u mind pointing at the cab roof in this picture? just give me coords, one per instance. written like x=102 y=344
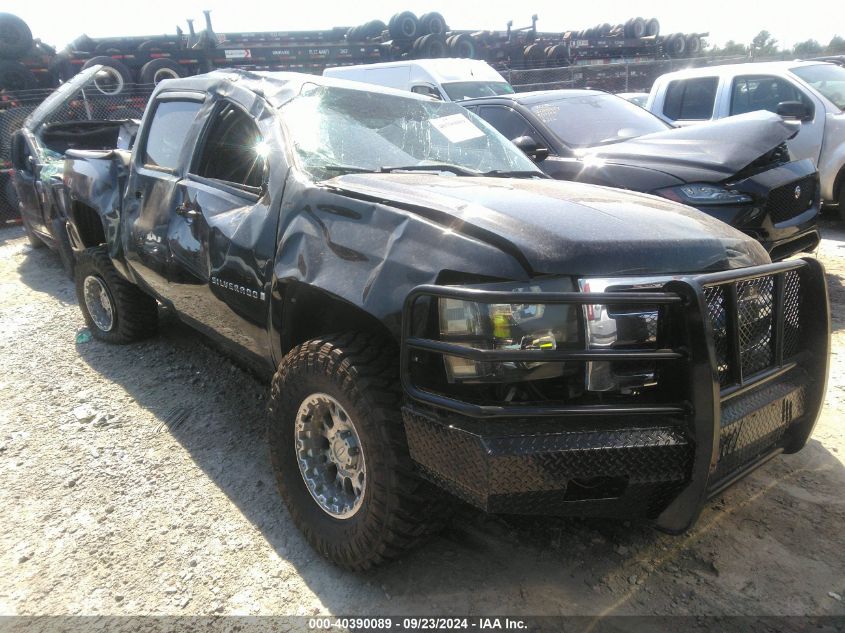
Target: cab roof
x=277 y=87
x=741 y=68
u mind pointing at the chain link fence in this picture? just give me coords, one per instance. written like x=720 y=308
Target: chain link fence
x=97 y=104
x=626 y=76
x=128 y=101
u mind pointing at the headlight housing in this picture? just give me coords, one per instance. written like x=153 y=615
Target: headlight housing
x=523 y=326
x=615 y=327
x=698 y=193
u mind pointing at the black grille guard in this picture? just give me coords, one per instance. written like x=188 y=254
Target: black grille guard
x=701 y=405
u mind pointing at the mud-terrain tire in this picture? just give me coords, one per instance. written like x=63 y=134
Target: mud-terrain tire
x=395 y=509
x=128 y=313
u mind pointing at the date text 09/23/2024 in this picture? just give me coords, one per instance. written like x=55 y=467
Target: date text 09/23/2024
x=416 y=623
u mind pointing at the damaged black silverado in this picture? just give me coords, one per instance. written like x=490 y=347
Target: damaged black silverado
x=436 y=310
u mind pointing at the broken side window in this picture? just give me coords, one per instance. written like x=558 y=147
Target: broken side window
x=234 y=151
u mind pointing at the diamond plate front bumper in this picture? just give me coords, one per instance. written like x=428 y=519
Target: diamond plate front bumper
x=657 y=461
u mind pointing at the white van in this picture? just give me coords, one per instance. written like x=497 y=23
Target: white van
x=811 y=94
x=446 y=79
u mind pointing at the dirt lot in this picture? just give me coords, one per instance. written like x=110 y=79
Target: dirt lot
x=135 y=481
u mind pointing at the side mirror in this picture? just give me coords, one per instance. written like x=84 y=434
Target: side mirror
x=793 y=110
x=531 y=149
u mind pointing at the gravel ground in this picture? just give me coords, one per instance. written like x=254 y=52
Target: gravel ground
x=135 y=480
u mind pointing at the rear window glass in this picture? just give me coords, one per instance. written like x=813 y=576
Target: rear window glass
x=168 y=131
x=690 y=99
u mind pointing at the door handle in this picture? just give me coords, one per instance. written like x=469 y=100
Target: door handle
x=139 y=194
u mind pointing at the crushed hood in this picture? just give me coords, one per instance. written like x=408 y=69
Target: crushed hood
x=561 y=227
x=711 y=151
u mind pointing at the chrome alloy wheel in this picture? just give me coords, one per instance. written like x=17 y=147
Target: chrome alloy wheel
x=99 y=303
x=330 y=457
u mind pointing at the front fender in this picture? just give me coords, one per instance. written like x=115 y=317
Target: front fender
x=832 y=158
x=371 y=254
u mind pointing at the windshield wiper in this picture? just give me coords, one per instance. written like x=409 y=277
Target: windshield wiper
x=455 y=169
x=516 y=173
x=352 y=169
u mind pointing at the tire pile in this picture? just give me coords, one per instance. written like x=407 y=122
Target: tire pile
x=425 y=37
x=16 y=43
x=26 y=63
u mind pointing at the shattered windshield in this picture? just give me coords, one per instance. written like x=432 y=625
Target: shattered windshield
x=828 y=79
x=344 y=130
x=596 y=119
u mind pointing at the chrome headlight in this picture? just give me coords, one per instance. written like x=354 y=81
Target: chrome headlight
x=522 y=326
x=703 y=193
x=609 y=327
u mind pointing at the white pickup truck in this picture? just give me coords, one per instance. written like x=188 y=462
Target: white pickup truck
x=812 y=94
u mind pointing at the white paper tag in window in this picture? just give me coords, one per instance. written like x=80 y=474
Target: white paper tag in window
x=456 y=128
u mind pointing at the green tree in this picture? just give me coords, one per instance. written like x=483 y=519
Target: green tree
x=764 y=44
x=730 y=48
x=808 y=48
x=836 y=45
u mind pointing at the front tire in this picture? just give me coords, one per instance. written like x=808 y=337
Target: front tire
x=339 y=452
x=115 y=310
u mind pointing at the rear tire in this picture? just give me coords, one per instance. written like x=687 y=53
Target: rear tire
x=393 y=509
x=115 y=310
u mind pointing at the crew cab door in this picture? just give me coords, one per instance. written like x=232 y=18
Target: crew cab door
x=222 y=234
x=28 y=186
x=765 y=92
x=151 y=191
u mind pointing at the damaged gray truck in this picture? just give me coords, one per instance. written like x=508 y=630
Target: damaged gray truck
x=438 y=315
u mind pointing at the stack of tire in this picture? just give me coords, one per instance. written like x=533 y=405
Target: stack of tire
x=633 y=29
x=551 y=55
x=15 y=44
x=371 y=30
x=117 y=78
x=680 y=45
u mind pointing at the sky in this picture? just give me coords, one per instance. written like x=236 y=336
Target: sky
x=57 y=23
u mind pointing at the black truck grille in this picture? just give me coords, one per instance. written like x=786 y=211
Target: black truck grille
x=788 y=201
x=744 y=317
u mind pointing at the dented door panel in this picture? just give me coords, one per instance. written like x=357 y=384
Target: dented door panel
x=221 y=246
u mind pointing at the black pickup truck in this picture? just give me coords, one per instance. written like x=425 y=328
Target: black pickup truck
x=439 y=315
